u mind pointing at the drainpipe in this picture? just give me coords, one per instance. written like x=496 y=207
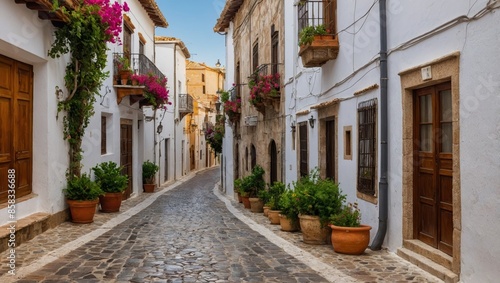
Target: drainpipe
x=383 y=182
x=176 y=108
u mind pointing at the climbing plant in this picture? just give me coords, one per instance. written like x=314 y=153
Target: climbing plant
x=89 y=26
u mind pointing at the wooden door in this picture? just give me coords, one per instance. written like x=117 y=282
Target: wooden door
x=303 y=150
x=330 y=149
x=433 y=167
x=16 y=126
x=126 y=154
x=273 y=156
x=166 y=167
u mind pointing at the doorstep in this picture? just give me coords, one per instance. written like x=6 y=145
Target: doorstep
x=28 y=227
x=429 y=259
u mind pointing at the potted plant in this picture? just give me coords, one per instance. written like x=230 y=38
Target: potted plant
x=82 y=195
x=111 y=180
x=289 y=216
x=349 y=236
x=317 y=200
x=317 y=45
x=264 y=197
x=275 y=192
x=237 y=188
x=255 y=184
x=149 y=170
x=123 y=66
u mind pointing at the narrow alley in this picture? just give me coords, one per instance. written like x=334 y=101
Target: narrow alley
x=188 y=234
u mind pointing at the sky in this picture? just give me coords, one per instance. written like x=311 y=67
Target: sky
x=192 y=21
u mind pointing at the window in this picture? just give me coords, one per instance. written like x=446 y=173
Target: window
x=204 y=90
x=367 y=117
x=255 y=56
x=319 y=12
x=127 y=42
x=253 y=155
x=347 y=143
x=103 y=136
x=303 y=154
x=274 y=50
x=141 y=48
x=246 y=158
x=203 y=78
x=238 y=79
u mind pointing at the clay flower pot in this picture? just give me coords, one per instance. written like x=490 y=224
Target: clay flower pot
x=350 y=240
x=82 y=211
x=288 y=225
x=256 y=205
x=111 y=202
x=312 y=232
x=149 y=188
x=274 y=216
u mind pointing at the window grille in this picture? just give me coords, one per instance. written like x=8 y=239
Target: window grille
x=367 y=117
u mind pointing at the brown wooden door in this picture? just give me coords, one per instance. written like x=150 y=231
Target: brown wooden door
x=330 y=149
x=273 y=156
x=433 y=167
x=303 y=147
x=126 y=154
x=16 y=125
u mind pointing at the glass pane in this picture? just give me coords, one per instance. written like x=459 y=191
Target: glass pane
x=425 y=109
x=445 y=97
x=446 y=137
x=426 y=138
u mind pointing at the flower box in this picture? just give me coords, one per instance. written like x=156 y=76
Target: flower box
x=322 y=49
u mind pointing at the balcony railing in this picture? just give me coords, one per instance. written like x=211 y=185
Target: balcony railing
x=185 y=104
x=315 y=13
x=140 y=64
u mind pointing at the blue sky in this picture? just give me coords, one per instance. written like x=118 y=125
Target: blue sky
x=192 y=21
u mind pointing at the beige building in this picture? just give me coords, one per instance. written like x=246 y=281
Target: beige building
x=203 y=84
x=258 y=40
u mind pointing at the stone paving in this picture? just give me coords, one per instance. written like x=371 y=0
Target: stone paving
x=189 y=235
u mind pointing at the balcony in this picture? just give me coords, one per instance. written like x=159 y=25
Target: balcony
x=185 y=105
x=316 y=22
x=265 y=86
x=141 y=65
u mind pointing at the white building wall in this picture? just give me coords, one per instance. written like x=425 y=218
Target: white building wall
x=354 y=70
x=26 y=38
x=227 y=162
x=175 y=71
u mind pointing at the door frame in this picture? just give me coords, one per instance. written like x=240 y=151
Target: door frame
x=443 y=69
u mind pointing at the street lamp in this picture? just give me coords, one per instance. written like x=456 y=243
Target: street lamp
x=217 y=64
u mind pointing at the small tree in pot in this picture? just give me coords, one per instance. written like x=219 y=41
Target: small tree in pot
x=111 y=180
x=149 y=170
x=82 y=195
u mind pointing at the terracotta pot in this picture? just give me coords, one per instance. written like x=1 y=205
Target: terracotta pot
x=312 y=232
x=288 y=225
x=246 y=202
x=350 y=240
x=111 y=202
x=82 y=211
x=274 y=216
x=265 y=209
x=256 y=205
x=149 y=188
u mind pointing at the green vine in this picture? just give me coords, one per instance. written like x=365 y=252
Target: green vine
x=83 y=37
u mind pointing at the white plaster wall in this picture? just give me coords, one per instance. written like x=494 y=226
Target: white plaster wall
x=227 y=169
x=27 y=39
x=172 y=126
x=479 y=108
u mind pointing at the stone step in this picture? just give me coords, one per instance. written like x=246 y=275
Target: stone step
x=428 y=265
x=429 y=252
x=29 y=227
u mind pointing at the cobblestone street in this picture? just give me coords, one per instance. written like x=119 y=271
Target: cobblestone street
x=188 y=235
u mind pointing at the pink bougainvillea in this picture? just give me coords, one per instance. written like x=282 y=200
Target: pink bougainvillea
x=262 y=86
x=111 y=16
x=156 y=88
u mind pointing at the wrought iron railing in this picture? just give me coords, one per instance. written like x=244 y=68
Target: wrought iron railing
x=185 y=103
x=139 y=63
x=315 y=13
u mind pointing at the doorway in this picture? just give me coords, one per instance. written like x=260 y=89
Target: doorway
x=433 y=167
x=126 y=153
x=16 y=126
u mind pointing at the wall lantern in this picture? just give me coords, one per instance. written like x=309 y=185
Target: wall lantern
x=292 y=126
x=159 y=129
x=311 y=121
